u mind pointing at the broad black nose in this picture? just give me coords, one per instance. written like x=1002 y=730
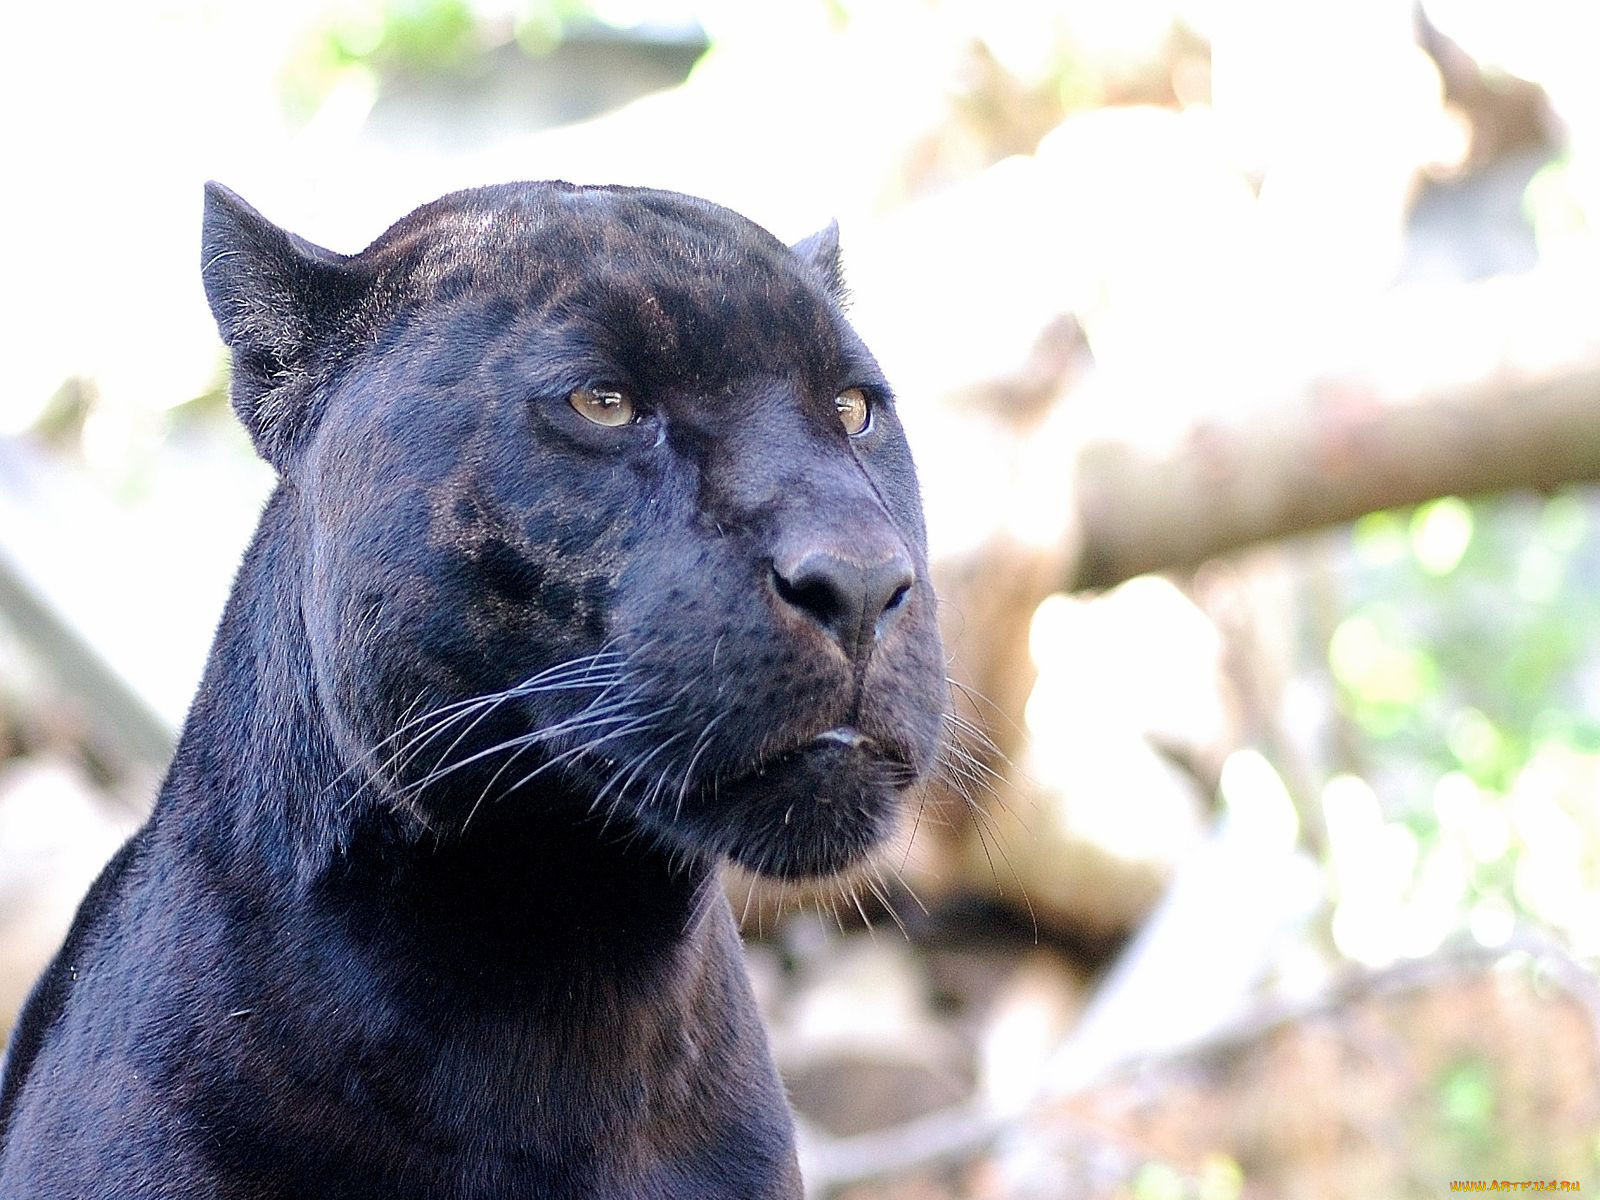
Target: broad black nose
x=853 y=601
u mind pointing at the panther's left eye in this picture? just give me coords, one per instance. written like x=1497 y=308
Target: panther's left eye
x=604 y=406
x=855 y=411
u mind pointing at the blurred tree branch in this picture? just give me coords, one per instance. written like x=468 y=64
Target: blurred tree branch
x=972 y=1131
x=1459 y=390
x=1525 y=416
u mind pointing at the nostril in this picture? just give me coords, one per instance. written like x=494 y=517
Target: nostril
x=847 y=599
x=886 y=586
x=812 y=592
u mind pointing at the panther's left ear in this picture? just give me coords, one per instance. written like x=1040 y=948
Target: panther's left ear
x=283 y=306
x=820 y=252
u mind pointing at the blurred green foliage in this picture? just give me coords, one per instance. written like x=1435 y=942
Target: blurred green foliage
x=1465 y=663
x=1557 y=205
x=1466 y=1107
x=371 y=40
x=1219 y=1178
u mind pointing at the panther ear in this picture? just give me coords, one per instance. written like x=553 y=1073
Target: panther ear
x=820 y=252
x=279 y=303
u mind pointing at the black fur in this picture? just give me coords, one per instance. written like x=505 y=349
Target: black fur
x=428 y=905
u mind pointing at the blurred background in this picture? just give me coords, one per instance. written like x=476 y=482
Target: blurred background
x=1251 y=357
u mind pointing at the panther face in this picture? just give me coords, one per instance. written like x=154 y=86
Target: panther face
x=604 y=505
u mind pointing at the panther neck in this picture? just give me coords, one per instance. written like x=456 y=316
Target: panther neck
x=255 y=781
x=266 y=799
x=551 y=975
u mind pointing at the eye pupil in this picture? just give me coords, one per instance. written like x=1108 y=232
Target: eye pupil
x=603 y=406
x=854 y=410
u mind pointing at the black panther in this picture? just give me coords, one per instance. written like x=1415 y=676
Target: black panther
x=596 y=559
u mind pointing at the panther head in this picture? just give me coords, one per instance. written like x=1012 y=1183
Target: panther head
x=600 y=502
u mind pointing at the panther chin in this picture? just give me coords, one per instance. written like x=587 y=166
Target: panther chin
x=806 y=813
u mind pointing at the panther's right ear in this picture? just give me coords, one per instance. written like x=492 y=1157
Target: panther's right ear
x=820 y=252
x=280 y=303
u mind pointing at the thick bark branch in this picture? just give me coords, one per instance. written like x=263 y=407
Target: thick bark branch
x=1493 y=388
x=1455 y=391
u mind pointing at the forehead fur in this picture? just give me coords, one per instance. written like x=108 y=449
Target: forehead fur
x=523 y=233
x=684 y=278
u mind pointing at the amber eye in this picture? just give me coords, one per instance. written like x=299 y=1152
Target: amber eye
x=855 y=411
x=603 y=406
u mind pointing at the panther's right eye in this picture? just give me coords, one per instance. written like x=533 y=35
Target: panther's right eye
x=604 y=406
x=854 y=411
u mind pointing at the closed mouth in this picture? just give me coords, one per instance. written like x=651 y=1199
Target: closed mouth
x=843 y=735
x=810 y=810
x=842 y=742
